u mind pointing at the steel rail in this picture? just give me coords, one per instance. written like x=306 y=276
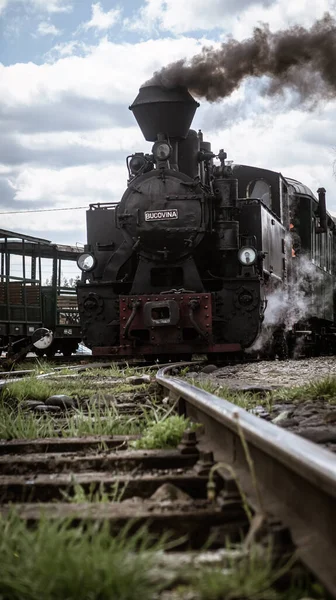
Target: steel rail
x=291 y=478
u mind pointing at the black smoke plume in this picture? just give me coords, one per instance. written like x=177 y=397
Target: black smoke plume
x=303 y=60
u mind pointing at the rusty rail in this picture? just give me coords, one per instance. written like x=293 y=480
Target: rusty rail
x=282 y=474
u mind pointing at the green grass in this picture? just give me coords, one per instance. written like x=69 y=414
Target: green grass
x=84 y=387
x=102 y=421
x=165 y=434
x=255 y=577
x=29 y=388
x=80 y=496
x=24 y=425
x=246 y=400
x=160 y=429
x=58 y=562
x=116 y=372
x=21 y=424
x=324 y=389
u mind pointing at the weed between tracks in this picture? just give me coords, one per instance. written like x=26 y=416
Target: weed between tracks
x=96 y=394
x=160 y=429
x=41 y=389
x=80 y=496
x=56 y=561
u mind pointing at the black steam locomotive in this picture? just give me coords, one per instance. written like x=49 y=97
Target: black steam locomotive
x=186 y=261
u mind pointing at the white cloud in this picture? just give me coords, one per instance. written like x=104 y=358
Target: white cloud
x=46 y=28
x=233 y=17
x=108 y=71
x=49 y=6
x=66 y=49
x=3 y=5
x=101 y=20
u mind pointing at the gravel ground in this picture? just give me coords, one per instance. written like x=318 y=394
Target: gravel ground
x=274 y=374
x=313 y=419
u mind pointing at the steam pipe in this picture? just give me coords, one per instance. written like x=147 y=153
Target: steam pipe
x=193 y=304
x=174 y=157
x=135 y=306
x=322 y=210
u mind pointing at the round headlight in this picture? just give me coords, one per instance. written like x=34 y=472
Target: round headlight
x=247 y=256
x=137 y=163
x=86 y=262
x=161 y=150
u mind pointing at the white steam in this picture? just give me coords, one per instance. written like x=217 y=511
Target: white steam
x=302 y=297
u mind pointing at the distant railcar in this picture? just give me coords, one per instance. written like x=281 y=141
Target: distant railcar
x=29 y=302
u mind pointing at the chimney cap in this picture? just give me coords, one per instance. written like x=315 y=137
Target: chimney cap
x=164 y=110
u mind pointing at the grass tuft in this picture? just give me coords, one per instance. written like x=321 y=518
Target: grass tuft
x=324 y=389
x=24 y=425
x=246 y=400
x=58 y=562
x=163 y=434
x=102 y=421
x=80 y=496
x=28 y=388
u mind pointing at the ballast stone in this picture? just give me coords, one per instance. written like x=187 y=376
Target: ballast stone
x=31 y=404
x=138 y=379
x=60 y=400
x=209 y=369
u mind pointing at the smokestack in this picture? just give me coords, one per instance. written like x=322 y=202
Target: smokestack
x=161 y=110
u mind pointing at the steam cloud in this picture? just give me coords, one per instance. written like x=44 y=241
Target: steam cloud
x=286 y=307
x=300 y=59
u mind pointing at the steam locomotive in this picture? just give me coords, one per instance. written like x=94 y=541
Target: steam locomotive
x=186 y=261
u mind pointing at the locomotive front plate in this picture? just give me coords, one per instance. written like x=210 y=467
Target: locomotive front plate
x=161 y=215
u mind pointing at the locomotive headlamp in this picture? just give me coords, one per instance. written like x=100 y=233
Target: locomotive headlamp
x=161 y=150
x=247 y=256
x=86 y=262
x=137 y=163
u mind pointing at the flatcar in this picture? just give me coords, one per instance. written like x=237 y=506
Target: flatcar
x=32 y=295
x=202 y=257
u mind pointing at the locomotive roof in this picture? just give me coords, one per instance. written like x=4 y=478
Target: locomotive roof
x=300 y=188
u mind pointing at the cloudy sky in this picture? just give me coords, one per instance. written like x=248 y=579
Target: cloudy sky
x=69 y=69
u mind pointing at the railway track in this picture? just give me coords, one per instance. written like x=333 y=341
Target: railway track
x=235 y=476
